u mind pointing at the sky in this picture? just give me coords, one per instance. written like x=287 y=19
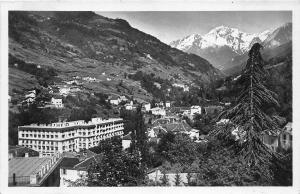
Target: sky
x=168 y=26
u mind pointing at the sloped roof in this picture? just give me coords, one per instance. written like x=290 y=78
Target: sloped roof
x=114 y=98
x=69 y=162
x=179 y=126
x=26 y=166
x=84 y=165
x=127 y=137
x=19 y=151
x=84 y=154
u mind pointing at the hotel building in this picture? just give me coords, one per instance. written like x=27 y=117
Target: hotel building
x=68 y=136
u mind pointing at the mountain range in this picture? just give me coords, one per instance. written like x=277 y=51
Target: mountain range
x=89 y=45
x=223 y=46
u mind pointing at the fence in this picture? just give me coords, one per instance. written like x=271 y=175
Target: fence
x=18 y=180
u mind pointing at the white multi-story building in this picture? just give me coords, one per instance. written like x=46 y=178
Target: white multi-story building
x=68 y=136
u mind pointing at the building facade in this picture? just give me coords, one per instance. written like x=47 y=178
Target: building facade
x=158 y=111
x=68 y=136
x=283 y=140
x=57 y=102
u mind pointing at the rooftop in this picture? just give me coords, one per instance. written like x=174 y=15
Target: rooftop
x=60 y=125
x=84 y=165
x=26 y=166
x=127 y=137
x=19 y=151
x=68 y=162
x=177 y=126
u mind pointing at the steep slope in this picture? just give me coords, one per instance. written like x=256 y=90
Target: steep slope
x=87 y=44
x=270 y=55
x=277 y=44
x=280 y=36
x=220 y=45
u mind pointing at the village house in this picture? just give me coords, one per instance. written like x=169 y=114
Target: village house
x=286 y=137
x=31 y=94
x=57 y=103
x=21 y=151
x=172 y=124
x=147 y=106
x=126 y=141
x=29 y=97
x=89 y=79
x=168 y=104
x=128 y=106
x=123 y=99
x=158 y=111
x=159 y=104
x=281 y=140
x=115 y=100
x=213 y=109
x=28 y=100
x=72 y=82
x=64 y=90
x=75 y=168
x=184 y=87
x=195 y=110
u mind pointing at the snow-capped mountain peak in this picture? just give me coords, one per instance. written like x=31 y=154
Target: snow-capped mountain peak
x=233 y=38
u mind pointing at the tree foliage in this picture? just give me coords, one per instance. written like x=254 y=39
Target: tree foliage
x=117 y=167
x=248 y=113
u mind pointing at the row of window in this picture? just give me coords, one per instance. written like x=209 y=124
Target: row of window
x=70 y=134
x=39 y=142
x=52 y=148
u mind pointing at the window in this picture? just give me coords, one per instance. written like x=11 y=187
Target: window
x=64 y=171
x=51 y=136
x=56 y=136
x=284 y=137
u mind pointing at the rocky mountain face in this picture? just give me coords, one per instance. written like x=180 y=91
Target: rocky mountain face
x=89 y=45
x=223 y=46
x=277 y=45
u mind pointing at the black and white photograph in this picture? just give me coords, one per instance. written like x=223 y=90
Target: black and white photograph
x=149 y=98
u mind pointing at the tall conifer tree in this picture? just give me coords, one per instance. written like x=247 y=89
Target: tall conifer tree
x=248 y=114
